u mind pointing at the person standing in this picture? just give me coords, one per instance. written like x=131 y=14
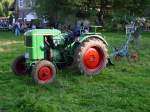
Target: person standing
x=17 y=28
x=33 y=26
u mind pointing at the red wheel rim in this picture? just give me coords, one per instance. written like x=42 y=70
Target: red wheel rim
x=45 y=74
x=93 y=58
x=20 y=67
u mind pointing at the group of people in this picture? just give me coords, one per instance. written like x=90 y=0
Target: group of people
x=21 y=27
x=16 y=26
x=4 y=23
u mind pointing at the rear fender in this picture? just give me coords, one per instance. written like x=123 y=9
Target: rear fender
x=93 y=36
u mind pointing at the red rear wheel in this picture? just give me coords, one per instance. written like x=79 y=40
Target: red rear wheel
x=19 y=66
x=43 y=72
x=91 y=56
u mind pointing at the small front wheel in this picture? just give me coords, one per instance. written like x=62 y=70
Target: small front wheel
x=43 y=72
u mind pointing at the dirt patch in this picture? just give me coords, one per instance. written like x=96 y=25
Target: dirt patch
x=10 y=42
x=4 y=50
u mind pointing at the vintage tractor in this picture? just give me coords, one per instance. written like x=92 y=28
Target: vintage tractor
x=47 y=49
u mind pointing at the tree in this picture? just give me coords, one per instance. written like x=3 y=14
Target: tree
x=1 y=10
x=130 y=7
x=54 y=8
x=4 y=7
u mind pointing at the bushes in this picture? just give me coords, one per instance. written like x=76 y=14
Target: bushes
x=117 y=23
x=36 y=22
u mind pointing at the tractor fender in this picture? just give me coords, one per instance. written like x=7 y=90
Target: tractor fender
x=95 y=36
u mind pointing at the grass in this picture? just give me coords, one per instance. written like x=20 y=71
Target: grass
x=124 y=87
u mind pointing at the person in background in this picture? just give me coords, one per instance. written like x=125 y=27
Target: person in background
x=33 y=26
x=10 y=27
x=17 y=28
x=86 y=24
x=25 y=27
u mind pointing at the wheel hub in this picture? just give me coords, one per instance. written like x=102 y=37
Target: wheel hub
x=45 y=74
x=92 y=58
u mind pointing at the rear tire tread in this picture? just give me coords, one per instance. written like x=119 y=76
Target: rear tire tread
x=80 y=49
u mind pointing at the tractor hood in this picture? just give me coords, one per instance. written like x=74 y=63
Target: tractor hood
x=41 y=32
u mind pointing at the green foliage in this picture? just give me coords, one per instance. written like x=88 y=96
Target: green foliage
x=4 y=7
x=1 y=10
x=55 y=8
x=36 y=22
x=130 y=7
x=52 y=8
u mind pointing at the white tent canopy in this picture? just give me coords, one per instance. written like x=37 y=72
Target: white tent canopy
x=30 y=16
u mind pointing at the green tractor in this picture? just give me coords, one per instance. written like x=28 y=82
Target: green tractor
x=47 y=49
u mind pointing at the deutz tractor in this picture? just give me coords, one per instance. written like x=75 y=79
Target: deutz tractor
x=48 y=49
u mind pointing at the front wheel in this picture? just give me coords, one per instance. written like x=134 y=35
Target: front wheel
x=43 y=72
x=91 y=56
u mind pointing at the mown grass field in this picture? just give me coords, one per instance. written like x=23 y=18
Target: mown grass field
x=124 y=87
